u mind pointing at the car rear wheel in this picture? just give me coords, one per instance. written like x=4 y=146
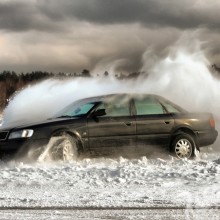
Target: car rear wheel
x=183 y=146
x=65 y=148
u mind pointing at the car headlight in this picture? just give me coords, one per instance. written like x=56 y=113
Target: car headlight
x=21 y=134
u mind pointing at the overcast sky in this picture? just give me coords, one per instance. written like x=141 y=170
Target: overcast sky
x=70 y=35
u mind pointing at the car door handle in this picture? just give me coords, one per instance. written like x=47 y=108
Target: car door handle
x=128 y=123
x=167 y=122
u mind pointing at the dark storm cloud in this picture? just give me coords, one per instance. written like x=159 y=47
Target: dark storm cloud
x=50 y=14
x=12 y=16
x=23 y=16
x=70 y=35
x=180 y=14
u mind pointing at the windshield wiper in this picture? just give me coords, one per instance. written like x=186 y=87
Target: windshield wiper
x=65 y=116
x=69 y=116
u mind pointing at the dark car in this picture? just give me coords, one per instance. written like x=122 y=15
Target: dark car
x=118 y=121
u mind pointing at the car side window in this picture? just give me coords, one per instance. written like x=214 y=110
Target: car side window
x=148 y=106
x=114 y=109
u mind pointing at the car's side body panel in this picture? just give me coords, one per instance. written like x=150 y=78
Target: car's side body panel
x=106 y=132
x=154 y=129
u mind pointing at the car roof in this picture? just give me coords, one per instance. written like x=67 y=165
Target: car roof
x=114 y=95
x=130 y=96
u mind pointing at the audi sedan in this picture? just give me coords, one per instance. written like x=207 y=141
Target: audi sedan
x=113 y=123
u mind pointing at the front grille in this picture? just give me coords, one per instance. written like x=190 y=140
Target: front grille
x=3 y=135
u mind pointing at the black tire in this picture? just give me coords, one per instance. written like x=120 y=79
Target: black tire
x=183 y=146
x=64 y=148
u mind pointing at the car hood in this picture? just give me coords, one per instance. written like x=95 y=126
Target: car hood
x=22 y=124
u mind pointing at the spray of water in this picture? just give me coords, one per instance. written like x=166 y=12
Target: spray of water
x=183 y=76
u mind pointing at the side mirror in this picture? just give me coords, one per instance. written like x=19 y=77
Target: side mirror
x=99 y=112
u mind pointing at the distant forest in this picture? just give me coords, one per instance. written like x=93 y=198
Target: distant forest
x=10 y=81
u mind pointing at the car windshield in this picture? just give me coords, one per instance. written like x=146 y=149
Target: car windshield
x=77 y=108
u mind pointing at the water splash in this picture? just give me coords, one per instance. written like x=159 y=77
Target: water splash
x=183 y=76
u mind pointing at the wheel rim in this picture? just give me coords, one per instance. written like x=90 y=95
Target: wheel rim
x=67 y=152
x=183 y=148
x=64 y=151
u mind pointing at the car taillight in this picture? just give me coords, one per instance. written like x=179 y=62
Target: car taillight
x=212 y=122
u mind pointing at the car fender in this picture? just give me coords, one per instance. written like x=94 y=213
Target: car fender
x=185 y=128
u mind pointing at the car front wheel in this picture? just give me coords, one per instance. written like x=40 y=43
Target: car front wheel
x=183 y=146
x=64 y=148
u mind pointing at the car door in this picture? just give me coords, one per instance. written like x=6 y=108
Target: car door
x=115 y=129
x=154 y=123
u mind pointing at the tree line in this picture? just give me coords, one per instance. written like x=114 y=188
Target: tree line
x=10 y=81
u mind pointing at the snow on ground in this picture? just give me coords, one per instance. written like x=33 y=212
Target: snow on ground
x=107 y=182
x=0 y=118
x=103 y=214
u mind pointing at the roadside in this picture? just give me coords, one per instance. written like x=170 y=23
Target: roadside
x=108 y=214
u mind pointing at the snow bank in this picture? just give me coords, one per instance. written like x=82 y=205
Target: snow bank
x=106 y=182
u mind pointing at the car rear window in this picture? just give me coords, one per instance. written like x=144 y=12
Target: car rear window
x=170 y=108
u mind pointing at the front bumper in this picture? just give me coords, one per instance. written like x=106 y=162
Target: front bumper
x=11 y=147
x=207 y=137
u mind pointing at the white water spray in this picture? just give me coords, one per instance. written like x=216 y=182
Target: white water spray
x=183 y=76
